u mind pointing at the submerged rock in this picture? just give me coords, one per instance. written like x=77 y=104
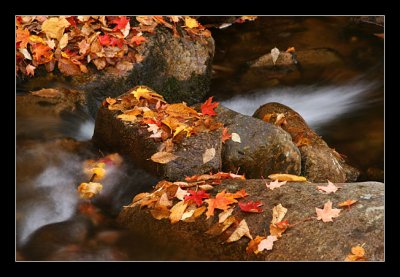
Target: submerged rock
x=308 y=240
x=264 y=148
x=319 y=162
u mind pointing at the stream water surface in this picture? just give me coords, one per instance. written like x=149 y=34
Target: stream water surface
x=343 y=102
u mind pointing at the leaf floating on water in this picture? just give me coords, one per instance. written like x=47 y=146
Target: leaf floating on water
x=89 y=190
x=48 y=93
x=275 y=54
x=287 y=177
x=208 y=155
x=163 y=157
x=236 y=137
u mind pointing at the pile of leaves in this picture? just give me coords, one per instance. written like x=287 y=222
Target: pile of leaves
x=166 y=123
x=96 y=170
x=71 y=43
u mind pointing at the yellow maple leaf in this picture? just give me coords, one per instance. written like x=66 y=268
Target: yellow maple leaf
x=191 y=22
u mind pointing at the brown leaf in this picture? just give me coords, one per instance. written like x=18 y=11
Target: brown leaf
x=241 y=230
x=160 y=213
x=48 y=93
x=224 y=215
x=68 y=68
x=219 y=228
x=279 y=228
x=278 y=213
x=54 y=27
x=163 y=157
x=253 y=245
x=198 y=212
x=177 y=211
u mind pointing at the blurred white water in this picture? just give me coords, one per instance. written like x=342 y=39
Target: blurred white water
x=316 y=104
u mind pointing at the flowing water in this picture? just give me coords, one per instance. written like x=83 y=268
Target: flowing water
x=343 y=103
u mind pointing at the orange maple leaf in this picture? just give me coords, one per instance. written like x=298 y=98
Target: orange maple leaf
x=42 y=53
x=138 y=40
x=207 y=108
x=221 y=201
x=327 y=213
x=225 y=135
x=23 y=37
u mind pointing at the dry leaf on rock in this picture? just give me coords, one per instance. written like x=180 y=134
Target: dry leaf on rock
x=328 y=189
x=358 y=254
x=275 y=54
x=177 y=211
x=241 y=230
x=236 y=137
x=163 y=157
x=278 y=213
x=347 y=203
x=275 y=184
x=327 y=213
x=224 y=215
x=287 y=177
x=208 y=155
x=267 y=244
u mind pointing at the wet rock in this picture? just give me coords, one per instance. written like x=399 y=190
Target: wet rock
x=319 y=162
x=264 y=148
x=133 y=141
x=50 y=238
x=311 y=240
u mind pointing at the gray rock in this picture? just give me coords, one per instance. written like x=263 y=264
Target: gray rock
x=133 y=140
x=319 y=162
x=264 y=148
x=309 y=240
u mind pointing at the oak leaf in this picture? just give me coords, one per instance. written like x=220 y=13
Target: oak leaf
x=207 y=108
x=287 y=177
x=327 y=213
x=251 y=207
x=275 y=184
x=328 y=189
x=241 y=230
x=163 y=157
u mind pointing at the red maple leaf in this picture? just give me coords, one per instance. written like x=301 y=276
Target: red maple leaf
x=105 y=40
x=208 y=107
x=116 y=41
x=71 y=20
x=152 y=121
x=225 y=135
x=121 y=23
x=197 y=196
x=251 y=207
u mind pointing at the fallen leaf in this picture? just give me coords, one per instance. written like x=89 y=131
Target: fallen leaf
x=241 y=230
x=128 y=117
x=219 y=228
x=245 y=18
x=30 y=70
x=42 y=54
x=253 y=245
x=275 y=184
x=224 y=215
x=153 y=128
x=287 y=177
x=236 y=137
x=160 y=213
x=198 y=212
x=164 y=201
x=290 y=50
x=197 y=196
x=63 y=41
x=328 y=189
x=189 y=212
x=163 y=157
x=26 y=54
x=207 y=108
x=180 y=110
x=347 y=203
x=280 y=119
x=177 y=211
x=278 y=228
x=54 y=27
x=68 y=68
x=191 y=22
x=208 y=155
x=121 y=21
x=22 y=37
x=267 y=244
x=327 y=213
x=137 y=40
x=181 y=193
x=358 y=254
x=219 y=202
x=274 y=54
x=251 y=207
x=225 y=135
x=238 y=194
x=206 y=187
x=48 y=93
x=278 y=213
x=100 y=173
x=89 y=190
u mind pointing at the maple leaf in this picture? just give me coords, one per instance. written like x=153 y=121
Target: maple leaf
x=207 y=108
x=358 y=254
x=287 y=177
x=181 y=110
x=116 y=41
x=275 y=184
x=208 y=155
x=267 y=244
x=42 y=54
x=121 y=22
x=278 y=228
x=219 y=202
x=239 y=194
x=22 y=37
x=30 y=69
x=328 y=189
x=104 y=40
x=347 y=203
x=197 y=196
x=177 y=211
x=191 y=22
x=278 y=213
x=241 y=230
x=327 y=213
x=88 y=190
x=225 y=135
x=163 y=157
x=251 y=207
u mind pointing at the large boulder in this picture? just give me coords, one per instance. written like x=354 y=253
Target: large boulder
x=319 y=162
x=308 y=239
x=264 y=148
x=133 y=140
